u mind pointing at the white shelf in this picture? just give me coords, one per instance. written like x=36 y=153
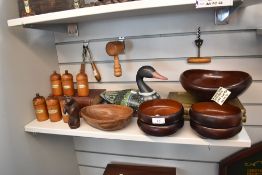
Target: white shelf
x=104 y=11
x=132 y=132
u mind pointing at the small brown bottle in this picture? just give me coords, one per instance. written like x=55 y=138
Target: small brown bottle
x=56 y=84
x=40 y=108
x=68 y=84
x=54 y=110
x=82 y=82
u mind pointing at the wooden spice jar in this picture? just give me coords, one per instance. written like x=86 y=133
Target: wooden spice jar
x=68 y=84
x=40 y=108
x=56 y=84
x=82 y=82
x=54 y=110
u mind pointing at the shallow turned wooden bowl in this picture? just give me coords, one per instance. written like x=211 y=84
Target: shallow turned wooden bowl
x=215 y=133
x=167 y=110
x=160 y=130
x=107 y=116
x=212 y=115
x=204 y=83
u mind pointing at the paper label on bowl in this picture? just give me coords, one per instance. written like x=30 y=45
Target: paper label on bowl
x=221 y=95
x=158 y=120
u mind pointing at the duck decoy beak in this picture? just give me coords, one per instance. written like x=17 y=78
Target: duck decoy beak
x=159 y=76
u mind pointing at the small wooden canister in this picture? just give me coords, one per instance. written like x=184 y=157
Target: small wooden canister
x=56 y=84
x=54 y=110
x=40 y=108
x=82 y=82
x=68 y=84
x=62 y=104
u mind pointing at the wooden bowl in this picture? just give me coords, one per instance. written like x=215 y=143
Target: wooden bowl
x=204 y=83
x=160 y=130
x=215 y=133
x=107 y=116
x=212 y=115
x=160 y=112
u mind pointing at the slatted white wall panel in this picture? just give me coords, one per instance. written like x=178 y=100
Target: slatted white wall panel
x=231 y=50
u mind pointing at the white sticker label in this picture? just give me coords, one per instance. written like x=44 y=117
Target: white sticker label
x=55 y=86
x=52 y=111
x=39 y=111
x=67 y=87
x=158 y=120
x=221 y=95
x=213 y=3
x=81 y=86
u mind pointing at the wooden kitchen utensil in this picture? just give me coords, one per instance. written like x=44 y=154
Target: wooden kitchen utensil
x=40 y=108
x=114 y=48
x=199 y=59
x=56 y=84
x=68 y=84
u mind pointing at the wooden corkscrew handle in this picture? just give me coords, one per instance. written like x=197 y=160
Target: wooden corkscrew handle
x=117 y=67
x=96 y=72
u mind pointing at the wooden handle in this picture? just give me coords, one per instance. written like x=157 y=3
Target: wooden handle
x=199 y=60
x=117 y=67
x=96 y=72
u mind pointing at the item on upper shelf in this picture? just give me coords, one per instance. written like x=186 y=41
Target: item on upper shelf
x=82 y=80
x=199 y=59
x=68 y=84
x=133 y=98
x=72 y=108
x=107 y=117
x=115 y=48
x=39 y=104
x=56 y=84
x=203 y=84
x=104 y=2
x=54 y=110
x=188 y=100
x=36 y=7
x=215 y=121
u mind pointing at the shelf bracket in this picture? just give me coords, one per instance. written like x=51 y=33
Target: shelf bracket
x=223 y=14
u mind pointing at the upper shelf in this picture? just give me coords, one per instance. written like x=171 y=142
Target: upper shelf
x=186 y=135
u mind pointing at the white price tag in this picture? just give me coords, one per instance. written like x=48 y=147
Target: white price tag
x=221 y=95
x=213 y=3
x=159 y=121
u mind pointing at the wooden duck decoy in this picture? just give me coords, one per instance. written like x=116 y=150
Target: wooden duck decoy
x=133 y=98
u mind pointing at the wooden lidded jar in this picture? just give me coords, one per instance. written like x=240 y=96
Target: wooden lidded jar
x=82 y=82
x=56 y=84
x=40 y=108
x=68 y=84
x=54 y=110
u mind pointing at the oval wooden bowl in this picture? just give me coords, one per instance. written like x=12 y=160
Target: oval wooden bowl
x=171 y=110
x=204 y=83
x=215 y=133
x=212 y=115
x=160 y=130
x=107 y=117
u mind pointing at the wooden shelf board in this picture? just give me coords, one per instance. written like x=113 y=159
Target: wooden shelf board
x=132 y=132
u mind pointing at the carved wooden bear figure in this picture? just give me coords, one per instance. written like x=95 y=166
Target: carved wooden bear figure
x=72 y=108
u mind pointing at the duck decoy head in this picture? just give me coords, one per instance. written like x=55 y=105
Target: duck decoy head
x=149 y=72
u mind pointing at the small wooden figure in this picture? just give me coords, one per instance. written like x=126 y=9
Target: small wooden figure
x=72 y=108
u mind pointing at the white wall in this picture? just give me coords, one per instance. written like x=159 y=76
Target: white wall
x=238 y=50
x=27 y=57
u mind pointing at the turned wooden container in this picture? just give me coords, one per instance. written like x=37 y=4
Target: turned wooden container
x=82 y=82
x=68 y=84
x=54 y=110
x=56 y=84
x=39 y=104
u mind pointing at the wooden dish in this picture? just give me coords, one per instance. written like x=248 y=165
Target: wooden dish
x=160 y=130
x=167 y=110
x=212 y=115
x=215 y=133
x=204 y=83
x=107 y=116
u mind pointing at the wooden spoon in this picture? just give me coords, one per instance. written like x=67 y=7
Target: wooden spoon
x=114 y=49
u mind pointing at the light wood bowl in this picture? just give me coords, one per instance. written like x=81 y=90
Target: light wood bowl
x=107 y=117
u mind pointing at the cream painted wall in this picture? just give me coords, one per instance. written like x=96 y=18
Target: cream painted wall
x=27 y=57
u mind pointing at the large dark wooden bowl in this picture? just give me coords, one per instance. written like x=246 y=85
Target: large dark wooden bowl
x=215 y=133
x=213 y=115
x=107 y=116
x=160 y=130
x=204 y=83
x=169 y=110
